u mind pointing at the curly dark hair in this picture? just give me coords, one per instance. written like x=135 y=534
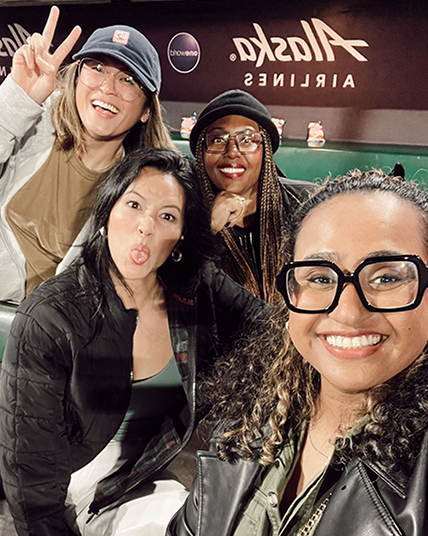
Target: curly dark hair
x=274 y=388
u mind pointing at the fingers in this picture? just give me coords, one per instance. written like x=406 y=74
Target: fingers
x=43 y=43
x=67 y=45
x=50 y=27
x=28 y=54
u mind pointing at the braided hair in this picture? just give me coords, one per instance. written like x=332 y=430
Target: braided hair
x=236 y=261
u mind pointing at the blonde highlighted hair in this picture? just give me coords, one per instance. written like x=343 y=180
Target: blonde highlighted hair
x=69 y=129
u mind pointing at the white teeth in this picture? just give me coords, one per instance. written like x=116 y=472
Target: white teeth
x=232 y=170
x=106 y=106
x=353 y=342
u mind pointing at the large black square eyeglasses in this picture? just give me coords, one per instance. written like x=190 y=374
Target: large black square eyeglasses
x=385 y=284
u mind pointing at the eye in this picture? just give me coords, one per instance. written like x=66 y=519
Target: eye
x=246 y=140
x=220 y=140
x=390 y=277
x=317 y=278
x=133 y=204
x=96 y=67
x=168 y=217
x=127 y=79
x=388 y=280
x=320 y=280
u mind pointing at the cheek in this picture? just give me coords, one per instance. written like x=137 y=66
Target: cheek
x=413 y=331
x=302 y=332
x=80 y=95
x=209 y=161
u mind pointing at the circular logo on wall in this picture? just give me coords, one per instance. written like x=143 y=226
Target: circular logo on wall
x=183 y=52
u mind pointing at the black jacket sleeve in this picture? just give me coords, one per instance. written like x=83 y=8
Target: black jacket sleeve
x=34 y=450
x=236 y=309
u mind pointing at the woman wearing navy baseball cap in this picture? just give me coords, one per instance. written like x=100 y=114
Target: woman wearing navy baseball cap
x=60 y=133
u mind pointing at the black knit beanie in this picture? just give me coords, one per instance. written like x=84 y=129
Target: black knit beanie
x=234 y=102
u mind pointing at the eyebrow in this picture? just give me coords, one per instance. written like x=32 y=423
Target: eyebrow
x=224 y=131
x=334 y=257
x=322 y=256
x=144 y=199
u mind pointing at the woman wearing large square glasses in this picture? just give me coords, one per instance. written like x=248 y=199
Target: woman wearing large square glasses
x=328 y=431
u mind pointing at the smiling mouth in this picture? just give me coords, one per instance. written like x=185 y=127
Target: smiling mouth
x=105 y=106
x=231 y=170
x=364 y=341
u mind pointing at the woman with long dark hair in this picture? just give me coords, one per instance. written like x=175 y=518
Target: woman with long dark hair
x=98 y=375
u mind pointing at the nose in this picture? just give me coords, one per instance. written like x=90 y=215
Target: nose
x=232 y=148
x=146 y=225
x=109 y=83
x=350 y=309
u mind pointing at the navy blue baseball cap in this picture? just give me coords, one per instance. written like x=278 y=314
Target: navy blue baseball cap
x=130 y=47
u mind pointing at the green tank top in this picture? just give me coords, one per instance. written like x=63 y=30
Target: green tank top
x=152 y=399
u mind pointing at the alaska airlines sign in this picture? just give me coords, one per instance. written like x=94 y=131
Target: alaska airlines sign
x=342 y=58
x=318 y=45
x=261 y=48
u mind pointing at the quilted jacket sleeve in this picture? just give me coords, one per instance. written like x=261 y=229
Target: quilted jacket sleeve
x=34 y=450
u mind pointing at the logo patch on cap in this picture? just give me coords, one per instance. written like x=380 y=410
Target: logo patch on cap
x=121 y=37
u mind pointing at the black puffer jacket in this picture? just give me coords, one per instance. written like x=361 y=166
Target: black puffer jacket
x=65 y=389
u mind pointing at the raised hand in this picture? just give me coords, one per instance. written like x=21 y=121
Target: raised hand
x=227 y=210
x=34 y=68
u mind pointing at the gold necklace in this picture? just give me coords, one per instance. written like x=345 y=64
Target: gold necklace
x=315 y=448
x=309 y=525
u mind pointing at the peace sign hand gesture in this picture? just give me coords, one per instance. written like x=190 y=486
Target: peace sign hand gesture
x=34 y=68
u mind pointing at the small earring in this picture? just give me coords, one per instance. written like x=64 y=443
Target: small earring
x=176 y=255
x=286 y=325
x=102 y=231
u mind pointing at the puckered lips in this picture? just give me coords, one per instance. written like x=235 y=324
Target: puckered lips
x=354 y=345
x=139 y=254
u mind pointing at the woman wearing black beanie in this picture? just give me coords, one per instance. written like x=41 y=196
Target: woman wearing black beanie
x=234 y=141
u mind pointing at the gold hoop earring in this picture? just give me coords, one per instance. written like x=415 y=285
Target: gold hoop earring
x=176 y=255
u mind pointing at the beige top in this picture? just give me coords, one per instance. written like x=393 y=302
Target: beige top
x=48 y=212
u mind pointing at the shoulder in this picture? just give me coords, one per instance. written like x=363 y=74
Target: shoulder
x=56 y=306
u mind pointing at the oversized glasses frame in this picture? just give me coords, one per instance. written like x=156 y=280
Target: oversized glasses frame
x=93 y=74
x=246 y=142
x=390 y=282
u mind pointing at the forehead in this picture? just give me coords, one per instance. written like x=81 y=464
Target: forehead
x=234 y=123
x=152 y=183
x=355 y=225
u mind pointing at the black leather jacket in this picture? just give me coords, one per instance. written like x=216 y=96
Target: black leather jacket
x=367 y=500
x=65 y=390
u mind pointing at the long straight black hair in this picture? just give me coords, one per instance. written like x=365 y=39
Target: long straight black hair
x=95 y=261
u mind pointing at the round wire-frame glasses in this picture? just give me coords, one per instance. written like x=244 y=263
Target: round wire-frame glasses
x=93 y=74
